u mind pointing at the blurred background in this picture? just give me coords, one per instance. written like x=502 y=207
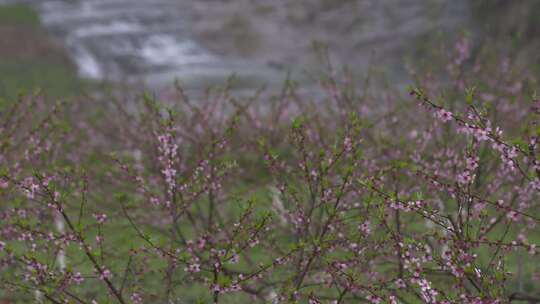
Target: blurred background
x=71 y=48
x=64 y=46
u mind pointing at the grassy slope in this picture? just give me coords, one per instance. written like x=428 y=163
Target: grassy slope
x=29 y=60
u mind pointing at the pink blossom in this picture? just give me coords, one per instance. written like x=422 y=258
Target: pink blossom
x=444 y=115
x=365 y=228
x=105 y=274
x=532 y=249
x=100 y=217
x=77 y=278
x=136 y=298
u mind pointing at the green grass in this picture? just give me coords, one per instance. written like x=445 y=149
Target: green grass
x=20 y=15
x=29 y=60
x=26 y=76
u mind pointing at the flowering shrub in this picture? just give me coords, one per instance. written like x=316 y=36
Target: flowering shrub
x=349 y=198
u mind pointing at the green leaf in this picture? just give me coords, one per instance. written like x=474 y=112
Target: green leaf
x=470 y=95
x=298 y=122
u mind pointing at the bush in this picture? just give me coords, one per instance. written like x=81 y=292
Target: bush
x=349 y=196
